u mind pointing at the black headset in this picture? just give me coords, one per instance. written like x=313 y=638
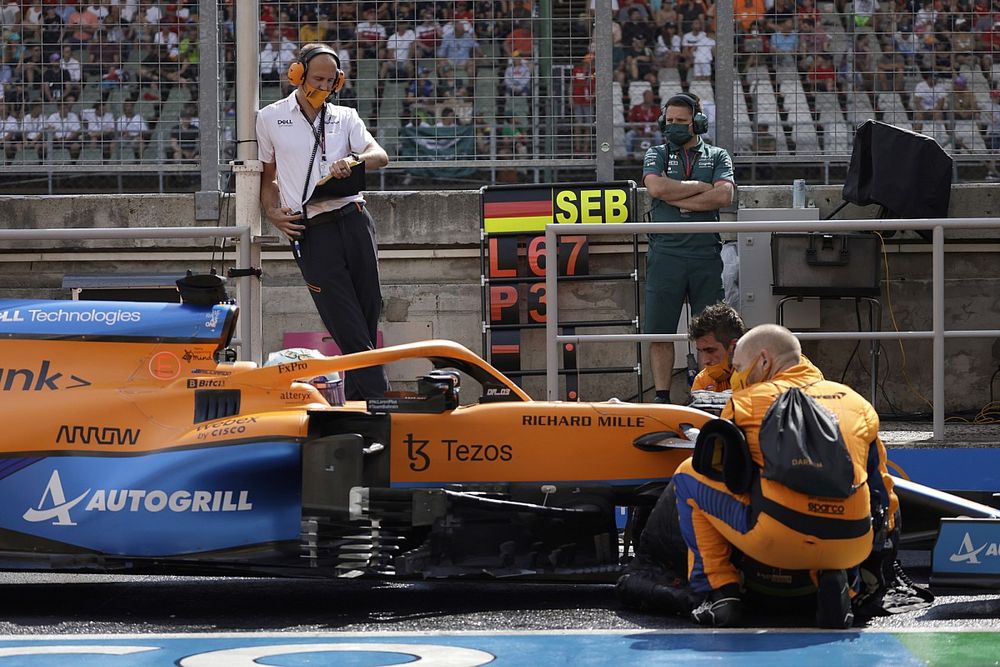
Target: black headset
x=699 y=120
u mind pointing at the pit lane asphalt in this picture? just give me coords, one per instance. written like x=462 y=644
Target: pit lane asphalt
x=41 y=604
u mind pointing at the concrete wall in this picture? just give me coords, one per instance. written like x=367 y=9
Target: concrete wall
x=429 y=257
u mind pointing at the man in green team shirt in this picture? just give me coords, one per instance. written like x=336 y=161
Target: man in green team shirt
x=689 y=181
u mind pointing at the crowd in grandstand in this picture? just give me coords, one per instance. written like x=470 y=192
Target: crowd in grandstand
x=78 y=77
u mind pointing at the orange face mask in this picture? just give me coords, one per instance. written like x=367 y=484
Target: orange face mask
x=720 y=372
x=315 y=96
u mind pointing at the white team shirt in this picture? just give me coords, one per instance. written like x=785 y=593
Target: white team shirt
x=97 y=124
x=285 y=137
x=131 y=127
x=399 y=44
x=32 y=126
x=63 y=127
x=9 y=126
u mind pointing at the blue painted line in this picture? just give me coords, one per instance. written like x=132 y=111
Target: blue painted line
x=636 y=649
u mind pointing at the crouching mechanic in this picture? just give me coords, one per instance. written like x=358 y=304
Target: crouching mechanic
x=745 y=512
x=714 y=333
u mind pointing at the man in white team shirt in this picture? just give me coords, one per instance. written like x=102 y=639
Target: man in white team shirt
x=99 y=127
x=301 y=139
x=133 y=131
x=699 y=47
x=64 y=128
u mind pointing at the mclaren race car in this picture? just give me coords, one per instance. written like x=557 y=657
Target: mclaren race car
x=129 y=446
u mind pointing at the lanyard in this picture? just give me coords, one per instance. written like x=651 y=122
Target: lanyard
x=320 y=132
x=688 y=163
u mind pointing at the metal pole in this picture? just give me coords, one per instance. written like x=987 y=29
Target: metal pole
x=547 y=81
x=247 y=167
x=725 y=76
x=249 y=335
x=604 y=102
x=551 y=314
x=206 y=200
x=937 y=304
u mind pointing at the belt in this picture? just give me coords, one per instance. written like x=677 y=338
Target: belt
x=336 y=214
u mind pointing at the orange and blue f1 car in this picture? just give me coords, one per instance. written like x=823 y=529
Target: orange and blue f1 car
x=128 y=445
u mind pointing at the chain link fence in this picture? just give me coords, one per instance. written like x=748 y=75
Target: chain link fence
x=110 y=96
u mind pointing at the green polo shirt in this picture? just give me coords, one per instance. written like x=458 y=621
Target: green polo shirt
x=703 y=162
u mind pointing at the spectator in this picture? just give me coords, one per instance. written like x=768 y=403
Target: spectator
x=636 y=26
x=459 y=50
x=891 y=75
x=755 y=43
x=699 y=48
x=643 y=131
x=813 y=40
x=992 y=116
x=33 y=130
x=270 y=62
x=639 y=61
x=113 y=79
x=99 y=130
x=929 y=98
x=10 y=132
x=183 y=141
x=691 y=11
x=822 y=75
x=428 y=34
x=420 y=94
x=666 y=13
x=165 y=36
x=51 y=32
x=905 y=42
x=85 y=24
x=785 y=45
x=748 y=13
x=72 y=71
x=64 y=128
x=400 y=51
x=520 y=10
x=53 y=80
x=517 y=87
x=10 y=15
x=781 y=11
x=963 y=104
x=150 y=72
x=582 y=94
x=963 y=44
x=667 y=51
x=807 y=11
x=133 y=131
x=188 y=61
x=520 y=39
x=311 y=29
x=29 y=67
x=864 y=12
x=370 y=34
x=462 y=103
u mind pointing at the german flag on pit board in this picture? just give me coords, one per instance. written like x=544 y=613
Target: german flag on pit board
x=517 y=210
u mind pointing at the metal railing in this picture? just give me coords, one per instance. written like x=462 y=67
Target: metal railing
x=937 y=334
x=249 y=340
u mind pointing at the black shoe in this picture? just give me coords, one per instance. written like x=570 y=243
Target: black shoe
x=640 y=592
x=833 y=601
x=722 y=608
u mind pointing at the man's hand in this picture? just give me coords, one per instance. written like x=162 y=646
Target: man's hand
x=285 y=220
x=341 y=168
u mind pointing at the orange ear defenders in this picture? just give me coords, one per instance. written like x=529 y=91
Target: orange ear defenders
x=300 y=67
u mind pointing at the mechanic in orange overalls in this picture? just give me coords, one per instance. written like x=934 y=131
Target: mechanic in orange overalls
x=714 y=333
x=773 y=524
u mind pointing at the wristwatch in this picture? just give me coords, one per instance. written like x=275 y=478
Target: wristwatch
x=354 y=156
